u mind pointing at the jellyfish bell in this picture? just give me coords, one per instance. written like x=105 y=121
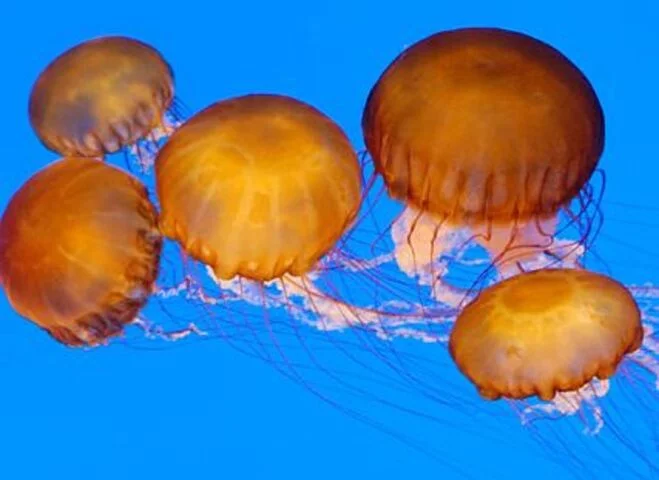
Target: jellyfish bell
x=258 y=186
x=79 y=250
x=561 y=343
x=487 y=130
x=101 y=96
x=543 y=332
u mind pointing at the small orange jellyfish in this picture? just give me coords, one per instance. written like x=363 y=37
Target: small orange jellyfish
x=79 y=250
x=487 y=130
x=101 y=96
x=543 y=332
x=258 y=186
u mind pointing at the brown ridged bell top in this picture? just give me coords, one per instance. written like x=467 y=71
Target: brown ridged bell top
x=100 y=96
x=483 y=124
x=79 y=250
x=258 y=186
x=544 y=332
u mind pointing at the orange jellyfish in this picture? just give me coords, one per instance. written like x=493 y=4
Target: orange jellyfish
x=543 y=332
x=258 y=187
x=487 y=131
x=101 y=96
x=553 y=342
x=79 y=250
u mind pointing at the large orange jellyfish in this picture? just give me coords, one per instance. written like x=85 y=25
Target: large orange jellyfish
x=101 y=96
x=486 y=130
x=258 y=186
x=544 y=332
x=79 y=250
